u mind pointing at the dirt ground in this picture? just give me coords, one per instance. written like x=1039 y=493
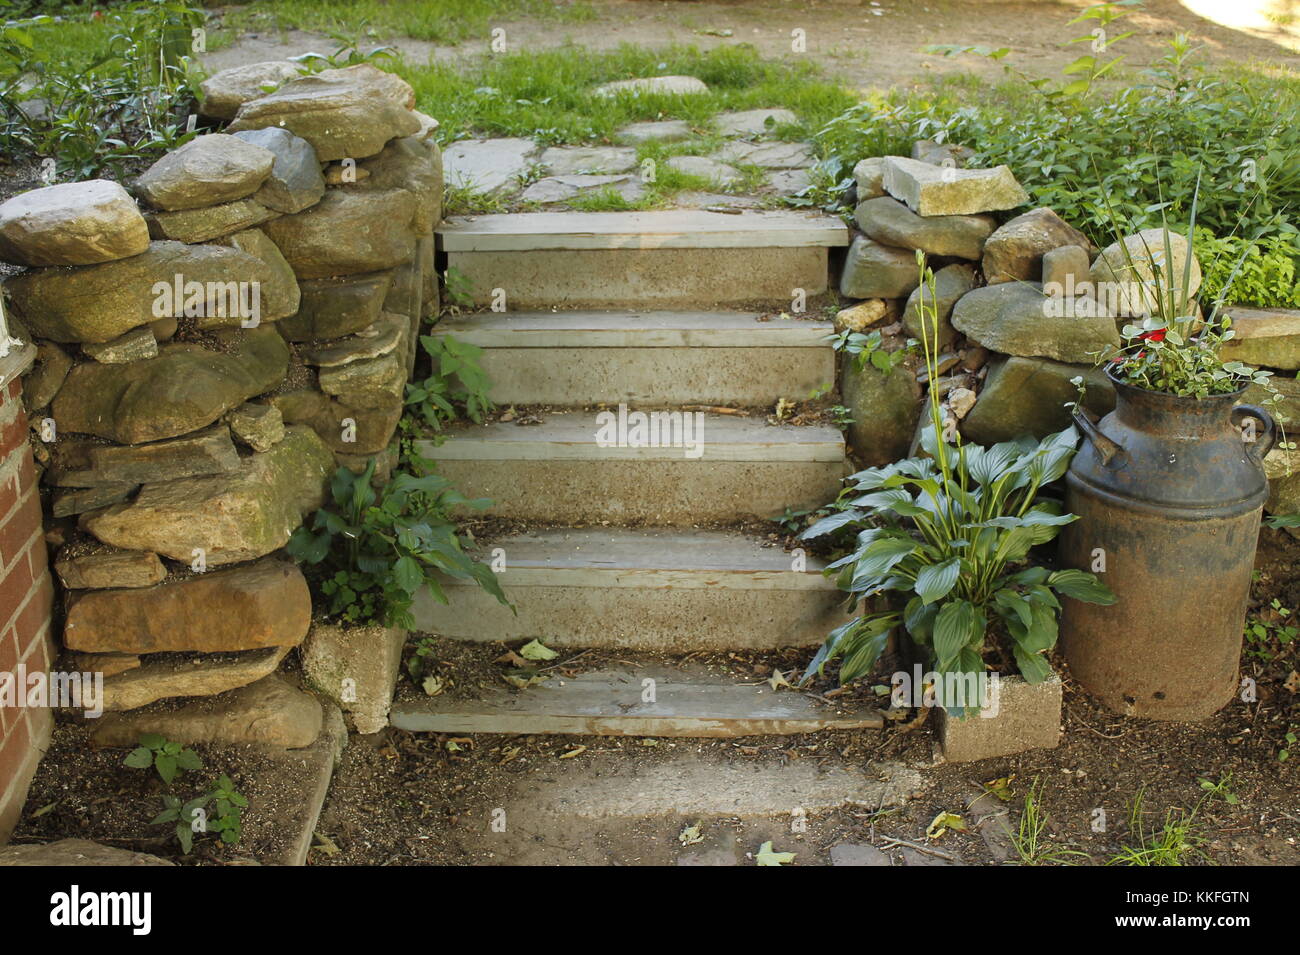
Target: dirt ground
x=868 y=45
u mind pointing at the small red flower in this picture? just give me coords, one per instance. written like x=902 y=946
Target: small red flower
x=1155 y=335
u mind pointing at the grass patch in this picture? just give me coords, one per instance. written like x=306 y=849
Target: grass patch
x=436 y=21
x=547 y=95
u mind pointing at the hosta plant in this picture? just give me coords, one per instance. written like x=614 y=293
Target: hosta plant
x=942 y=549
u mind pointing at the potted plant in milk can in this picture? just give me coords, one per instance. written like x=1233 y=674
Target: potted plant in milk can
x=941 y=550
x=1169 y=489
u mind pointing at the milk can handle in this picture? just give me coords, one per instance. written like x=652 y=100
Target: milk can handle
x=1261 y=443
x=1110 y=452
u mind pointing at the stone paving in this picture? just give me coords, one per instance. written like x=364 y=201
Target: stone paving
x=521 y=173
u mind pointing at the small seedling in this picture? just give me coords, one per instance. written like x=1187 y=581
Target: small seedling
x=162 y=754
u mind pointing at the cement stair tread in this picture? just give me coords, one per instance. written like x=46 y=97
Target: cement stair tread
x=602 y=555
x=634 y=329
x=690 y=701
x=663 y=229
x=572 y=436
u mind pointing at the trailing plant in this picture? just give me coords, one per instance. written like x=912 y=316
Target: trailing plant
x=166 y=757
x=455 y=386
x=865 y=347
x=942 y=545
x=377 y=549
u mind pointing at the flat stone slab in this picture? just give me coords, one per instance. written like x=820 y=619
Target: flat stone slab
x=944 y=190
x=768 y=155
x=658 y=85
x=632 y=329
x=718 y=173
x=563 y=188
x=589 y=160
x=665 y=131
x=488 y=166
x=753 y=122
x=75 y=852
x=670 y=229
x=787 y=182
x=689 y=701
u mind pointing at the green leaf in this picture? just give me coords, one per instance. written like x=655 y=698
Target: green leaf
x=166 y=766
x=936 y=580
x=1033 y=666
x=832 y=523
x=953 y=629
x=139 y=758
x=1081 y=585
x=767 y=856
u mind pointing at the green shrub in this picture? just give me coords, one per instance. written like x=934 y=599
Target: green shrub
x=1265 y=276
x=378 y=548
x=1141 y=146
x=118 y=95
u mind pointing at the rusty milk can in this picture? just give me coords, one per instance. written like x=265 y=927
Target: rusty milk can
x=1168 y=492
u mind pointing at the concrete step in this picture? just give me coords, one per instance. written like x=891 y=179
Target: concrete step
x=666 y=259
x=683 y=700
x=586 y=358
x=702 y=468
x=642 y=589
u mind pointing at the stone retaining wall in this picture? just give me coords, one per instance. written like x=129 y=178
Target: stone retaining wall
x=213 y=340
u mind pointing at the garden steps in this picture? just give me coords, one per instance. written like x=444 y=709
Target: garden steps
x=567 y=359
x=663 y=259
x=717 y=469
x=682 y=700
x=652 y=589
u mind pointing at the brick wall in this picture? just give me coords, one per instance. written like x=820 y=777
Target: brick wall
x=26 y=596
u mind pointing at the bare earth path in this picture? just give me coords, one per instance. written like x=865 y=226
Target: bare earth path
x=866 y=45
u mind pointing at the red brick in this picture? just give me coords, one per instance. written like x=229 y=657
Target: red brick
x=17 y=531
x=14 y=752
x=8 y=664
x=26 y=471
x=15 y=584
x=8 y=495
x=38 y=553
x=16 y=388
x=35 y=615
x=13 y=434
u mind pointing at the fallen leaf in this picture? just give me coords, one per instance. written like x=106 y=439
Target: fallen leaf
x=533 y=650
x=690 y=835
x=325 y=844
x=432 y=685
x=777 y=680
x=1000 y=787
x=573 y=752
x=1292 y=682
x=942 y=823
x=766 y=856
x=512 y=658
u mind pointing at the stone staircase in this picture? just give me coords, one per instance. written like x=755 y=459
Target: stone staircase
x=641 y=547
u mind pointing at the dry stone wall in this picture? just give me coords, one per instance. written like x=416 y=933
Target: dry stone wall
x=213 y=340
